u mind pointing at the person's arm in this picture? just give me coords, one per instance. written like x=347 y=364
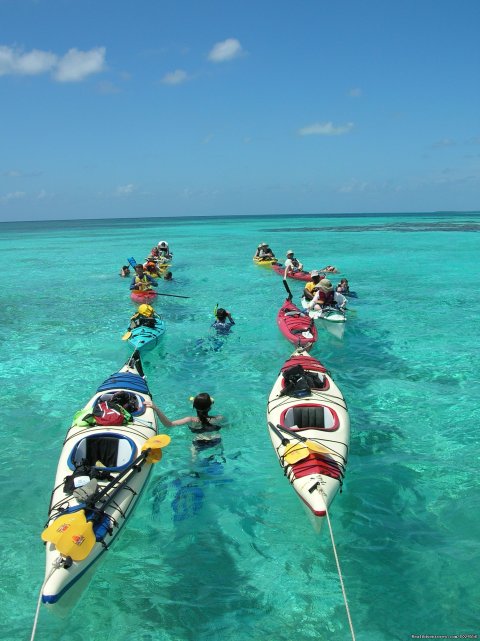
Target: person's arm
x=307 y=293
x=152 y=281
x=133 y=283
x=311 y=303
x=229 y=316
x=166 y=421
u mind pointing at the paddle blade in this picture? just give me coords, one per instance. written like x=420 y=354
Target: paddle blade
x=126 y=336
x=72 y=535
x=294 y=453
x=154 y=445
x=316 y=447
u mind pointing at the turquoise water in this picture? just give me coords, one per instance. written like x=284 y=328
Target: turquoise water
x=222 y=549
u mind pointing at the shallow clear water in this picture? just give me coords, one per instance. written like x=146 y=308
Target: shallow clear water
x=222 y=548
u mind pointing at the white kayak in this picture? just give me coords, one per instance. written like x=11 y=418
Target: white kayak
x=309 y=428
x=333 y=319
x=100 y=476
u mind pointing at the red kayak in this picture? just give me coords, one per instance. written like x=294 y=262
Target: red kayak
x=280 y=269
x=139 y=296
x=296 y=326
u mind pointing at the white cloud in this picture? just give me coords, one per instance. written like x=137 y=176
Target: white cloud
x=125 y=190
x=325 y=129
x=16 y=62
x=175 y=77
x=226 y=50
x=74 y=66
x=13 y=195
x=77 y=65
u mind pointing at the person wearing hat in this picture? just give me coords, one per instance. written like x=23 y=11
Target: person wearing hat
x=144 y=316
x=292 y=264
x=324 y=297
x=312 y=285
x=164 y=253
x=264 y=252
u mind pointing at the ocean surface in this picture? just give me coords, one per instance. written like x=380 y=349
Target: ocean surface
x=220 y=547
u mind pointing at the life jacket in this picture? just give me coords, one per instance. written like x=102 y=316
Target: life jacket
x=108 y=413
x=140 y=319
x=327 y=298
x=142 y=283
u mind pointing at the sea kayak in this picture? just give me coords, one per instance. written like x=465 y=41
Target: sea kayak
x=145 y=338
x=309 y=427
x=332 y=318
x=101 y=473
x=296 y=325
x=143 y=296
x=301 y=275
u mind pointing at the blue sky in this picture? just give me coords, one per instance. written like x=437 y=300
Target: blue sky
x=112 y=108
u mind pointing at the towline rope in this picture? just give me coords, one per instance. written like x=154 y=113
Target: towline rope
x=342 y=585
x=56 y=565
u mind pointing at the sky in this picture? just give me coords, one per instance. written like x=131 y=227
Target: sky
x=119 y=108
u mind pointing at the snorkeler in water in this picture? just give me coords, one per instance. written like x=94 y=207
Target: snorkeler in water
x=223 y=321
x=204 y=426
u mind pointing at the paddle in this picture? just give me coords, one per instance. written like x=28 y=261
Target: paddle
x=151 y=453
x=72 y=535
x=285 y=284
x=292 y=453
x=132 y=262
x=312 y=445
x=126 y=336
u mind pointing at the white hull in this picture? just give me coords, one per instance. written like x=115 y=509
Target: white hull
x=332 y=319
x=59 y=577
x=322 y=418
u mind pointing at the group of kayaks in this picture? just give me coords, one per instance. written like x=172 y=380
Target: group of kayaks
x=307 y=415
x=112 y=443
x=106 y=458
x=145 y=337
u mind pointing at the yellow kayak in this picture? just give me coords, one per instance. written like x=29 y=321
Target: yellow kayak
x=265 y=262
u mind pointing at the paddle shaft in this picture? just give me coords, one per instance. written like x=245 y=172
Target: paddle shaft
x=285 y=284
x=140 y=459
x=284 y=440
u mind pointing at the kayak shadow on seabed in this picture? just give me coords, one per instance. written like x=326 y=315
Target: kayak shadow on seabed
x=214 y=342
x=187 y=490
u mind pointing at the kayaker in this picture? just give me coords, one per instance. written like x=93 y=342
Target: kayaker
x=312 y=285
x=264 y=252
x=142 y=281
x=151 y=269
x=343 y=286
x=164 y=251
x=292 y=264
x=144 y=316
x=125 y=271
x=324 y=297
x=223 y=322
